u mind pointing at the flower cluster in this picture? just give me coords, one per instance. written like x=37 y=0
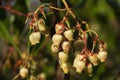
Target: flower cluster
x=28 y=68
x=61 y=44
x=23 y=72
x=88 y=59
x=63 y=39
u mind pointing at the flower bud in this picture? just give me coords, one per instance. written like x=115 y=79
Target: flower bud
x=89 y=68
x=102 y=55
x=69 y=35
x=41 y=25
x=59 y=28
x=57 y=39
x=66 y=46
x=65 y=68
x=63 y=57
x=102 y=46
x=93 y=59
x=34 y=37
x=79 y=65
x=23 y=72
x=54 y=48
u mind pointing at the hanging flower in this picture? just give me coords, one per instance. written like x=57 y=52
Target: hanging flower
x=34 y=37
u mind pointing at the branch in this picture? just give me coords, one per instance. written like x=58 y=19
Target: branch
x=67 y=7
x=8 y=8
x=57 y=8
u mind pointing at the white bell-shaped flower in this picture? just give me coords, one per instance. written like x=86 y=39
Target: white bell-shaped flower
x=69 y=35
x=63 y=57
x=59 y=28
x=54 y=48
x=93 y=59
x=65 y=68
x=102 y=55
x=66 y=46
x=79 y=65
x=23 y=72
x=41 y=25
x=57 y=39
x=34 y=38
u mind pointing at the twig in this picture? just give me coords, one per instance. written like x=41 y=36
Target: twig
x=69 y=10
x=59 y=9
x=13 y=11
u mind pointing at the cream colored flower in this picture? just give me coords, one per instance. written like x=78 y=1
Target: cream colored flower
x=93 y=59
x=63 y=57
x=59 y=28
x=34 y=38
x=41 y=25
x=102 y=55
x=54 y=48
x=23 y=72
x=69 y=35
x=79 y=65
x=65 y=68
x=66 y=46
x=57 y=39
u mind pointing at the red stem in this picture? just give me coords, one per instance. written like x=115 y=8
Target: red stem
x=8 y=8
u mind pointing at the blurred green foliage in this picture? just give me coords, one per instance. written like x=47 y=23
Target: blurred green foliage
x=102 y=15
